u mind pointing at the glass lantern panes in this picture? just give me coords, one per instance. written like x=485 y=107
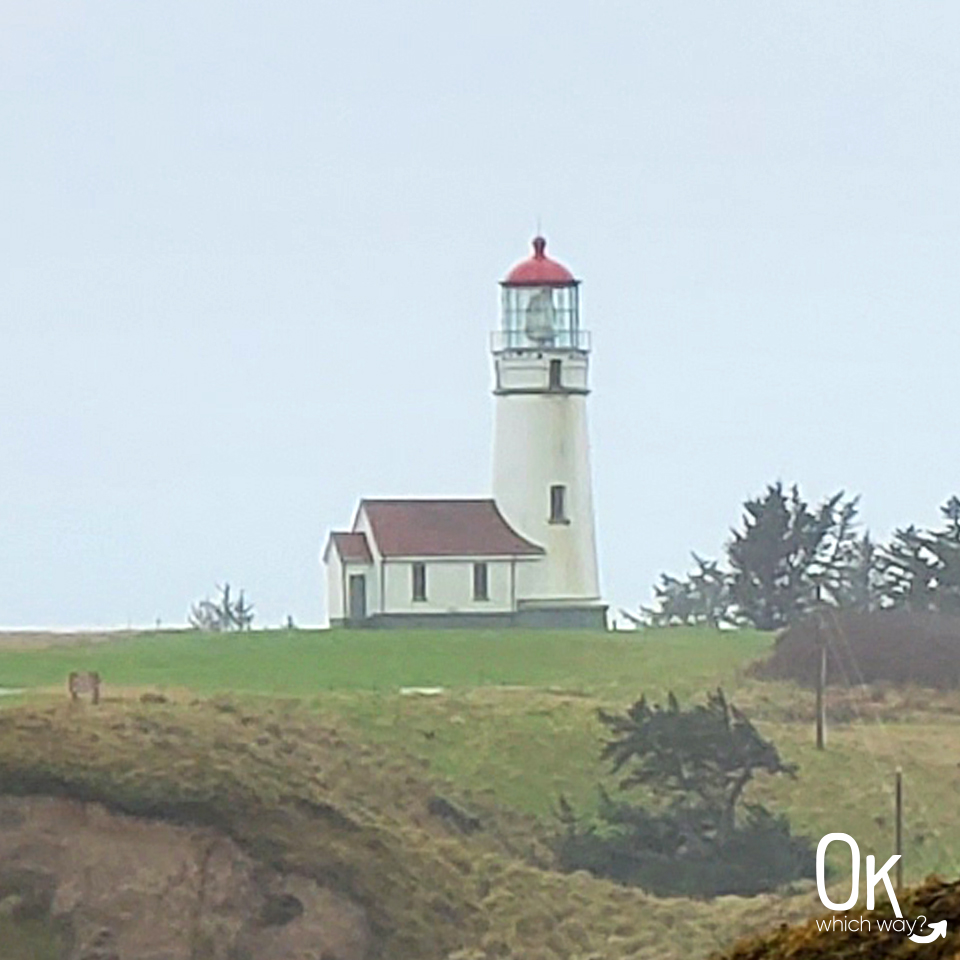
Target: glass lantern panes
x=540 y=317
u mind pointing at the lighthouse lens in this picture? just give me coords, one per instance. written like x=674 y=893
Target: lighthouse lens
x=541 y=316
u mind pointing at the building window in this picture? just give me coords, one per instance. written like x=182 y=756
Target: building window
x=558 y=505
x=481 y=589
x=419 y=581
x=556 y=368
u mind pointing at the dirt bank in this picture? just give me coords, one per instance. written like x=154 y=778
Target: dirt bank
x=128 y=888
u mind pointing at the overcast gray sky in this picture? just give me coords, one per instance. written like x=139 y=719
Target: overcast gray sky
x=250 y=256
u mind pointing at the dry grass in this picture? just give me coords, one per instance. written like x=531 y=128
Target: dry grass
x=44 y=639
x=864 y=704
x=305 y=796
x=934 y=900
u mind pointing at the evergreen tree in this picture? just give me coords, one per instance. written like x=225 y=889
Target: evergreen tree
x=920 y=569
x=908 y=570
x=947 y=548
x=703 y=598
x=859 y=584
x=788 y=558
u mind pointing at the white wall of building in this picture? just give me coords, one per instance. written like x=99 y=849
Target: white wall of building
x=335 y=594
x=450 y=586
x=338 y=586
x=541 y=440
x=450 y=583
x=374 y=581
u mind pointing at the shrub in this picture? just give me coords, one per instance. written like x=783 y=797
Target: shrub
x=759 y=855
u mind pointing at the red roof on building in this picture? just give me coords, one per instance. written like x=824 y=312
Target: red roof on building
x=444 y=528
x=350 y=546
x=539 y=270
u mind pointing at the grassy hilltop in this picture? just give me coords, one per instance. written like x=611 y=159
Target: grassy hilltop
x=514 y=726
x=307 y=662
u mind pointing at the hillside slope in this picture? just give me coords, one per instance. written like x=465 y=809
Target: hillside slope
x=306 y=804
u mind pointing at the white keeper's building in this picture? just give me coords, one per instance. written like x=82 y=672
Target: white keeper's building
x=527 y=555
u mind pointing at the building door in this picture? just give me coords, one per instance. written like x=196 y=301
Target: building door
x=358 y=597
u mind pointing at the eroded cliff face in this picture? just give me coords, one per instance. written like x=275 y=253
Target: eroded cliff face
x=125 y=888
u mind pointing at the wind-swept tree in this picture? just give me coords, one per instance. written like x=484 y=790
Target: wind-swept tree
x=693 y=833
x=789 y=557
x=703 y=757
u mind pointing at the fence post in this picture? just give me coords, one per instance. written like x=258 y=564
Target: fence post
x=898 y=842
x=821 y=689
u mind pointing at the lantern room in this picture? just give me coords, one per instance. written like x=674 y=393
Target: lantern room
x=540 y=306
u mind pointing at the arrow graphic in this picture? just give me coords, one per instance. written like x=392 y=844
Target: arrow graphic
x=939 y=929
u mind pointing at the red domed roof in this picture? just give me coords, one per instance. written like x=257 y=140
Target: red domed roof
x=539 y=270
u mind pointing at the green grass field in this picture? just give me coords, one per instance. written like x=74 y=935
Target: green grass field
x=307 y=662
x=516 y=723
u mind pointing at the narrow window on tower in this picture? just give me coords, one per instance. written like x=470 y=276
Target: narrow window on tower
x=556 y=368
x=419 y=581
x=480 y=585
x=558 y=506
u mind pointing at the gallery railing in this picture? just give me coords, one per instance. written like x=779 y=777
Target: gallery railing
x=503 y=340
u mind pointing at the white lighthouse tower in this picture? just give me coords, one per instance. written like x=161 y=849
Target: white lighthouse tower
x=541 y=454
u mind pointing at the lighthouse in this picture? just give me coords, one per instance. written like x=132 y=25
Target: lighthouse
x=541 y=450
x=525 y=557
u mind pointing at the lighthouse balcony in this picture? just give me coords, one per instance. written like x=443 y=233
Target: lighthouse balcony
x=503 y=341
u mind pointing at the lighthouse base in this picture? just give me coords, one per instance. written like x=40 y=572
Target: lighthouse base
x=533 y=618
x=544 y=616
